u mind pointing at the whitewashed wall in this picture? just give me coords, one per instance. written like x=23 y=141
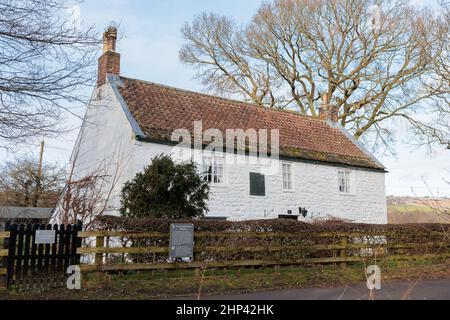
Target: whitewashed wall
x=316 y=188
x=109 y=135
x=105 y=144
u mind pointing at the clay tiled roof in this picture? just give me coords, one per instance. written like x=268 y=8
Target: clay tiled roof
x=159 y=110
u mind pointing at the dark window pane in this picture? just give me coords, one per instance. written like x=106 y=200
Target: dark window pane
x=209 y=174
x=257 y=184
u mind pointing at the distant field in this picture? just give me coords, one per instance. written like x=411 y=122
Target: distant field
x=409 y=208
x=419 y=213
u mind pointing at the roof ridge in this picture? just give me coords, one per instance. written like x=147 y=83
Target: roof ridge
x=230 y=100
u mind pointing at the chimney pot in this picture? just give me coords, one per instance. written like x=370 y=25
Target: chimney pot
x=109 y=39
x=109 y=62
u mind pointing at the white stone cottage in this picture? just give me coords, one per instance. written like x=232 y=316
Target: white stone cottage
x=321 y=167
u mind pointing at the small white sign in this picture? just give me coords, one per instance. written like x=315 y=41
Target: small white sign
x=45 y=236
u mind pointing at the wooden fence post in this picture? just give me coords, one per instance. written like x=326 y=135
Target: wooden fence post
x=78 y=242
x=4 y=260
x=343 y=252
x=11 y=255
x=4 y=276
x=99 y=243
x=98 y=275
x=279 y=244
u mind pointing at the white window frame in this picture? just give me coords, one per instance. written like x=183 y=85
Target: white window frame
x=346 y=182
x=288 y=177
x=217 y=164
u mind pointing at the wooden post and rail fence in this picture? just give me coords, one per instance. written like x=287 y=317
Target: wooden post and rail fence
x=338 y=249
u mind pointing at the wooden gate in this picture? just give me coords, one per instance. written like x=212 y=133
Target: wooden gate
x=30 y=265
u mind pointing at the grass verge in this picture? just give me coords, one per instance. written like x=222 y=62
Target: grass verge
x=161 y=285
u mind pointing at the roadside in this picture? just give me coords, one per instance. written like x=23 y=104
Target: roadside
x=413 y=290
x=163 y=285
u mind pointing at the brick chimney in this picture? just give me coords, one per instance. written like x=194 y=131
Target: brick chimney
x=328 y=111
x=109 y=62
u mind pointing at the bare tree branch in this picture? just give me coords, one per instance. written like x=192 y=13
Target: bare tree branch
x=88 y=195
x=22 y=186
x=45 y=62
x=374 y=68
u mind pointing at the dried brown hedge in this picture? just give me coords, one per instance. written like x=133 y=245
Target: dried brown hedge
x=111 y=223
x=297 y=244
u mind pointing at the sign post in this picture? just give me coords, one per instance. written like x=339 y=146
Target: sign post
x=182 y=242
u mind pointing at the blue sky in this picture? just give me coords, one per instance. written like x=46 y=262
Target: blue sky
x=152 y=32
x=149 y=48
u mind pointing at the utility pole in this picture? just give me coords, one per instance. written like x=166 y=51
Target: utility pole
x=41 y=156
x=39 y=177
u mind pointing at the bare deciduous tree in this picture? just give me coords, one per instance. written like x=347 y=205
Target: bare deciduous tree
x=21 y=184
x=45 y=62
x=435 y=125
x=91 y=194
x=371 y=57
x=86 y=198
